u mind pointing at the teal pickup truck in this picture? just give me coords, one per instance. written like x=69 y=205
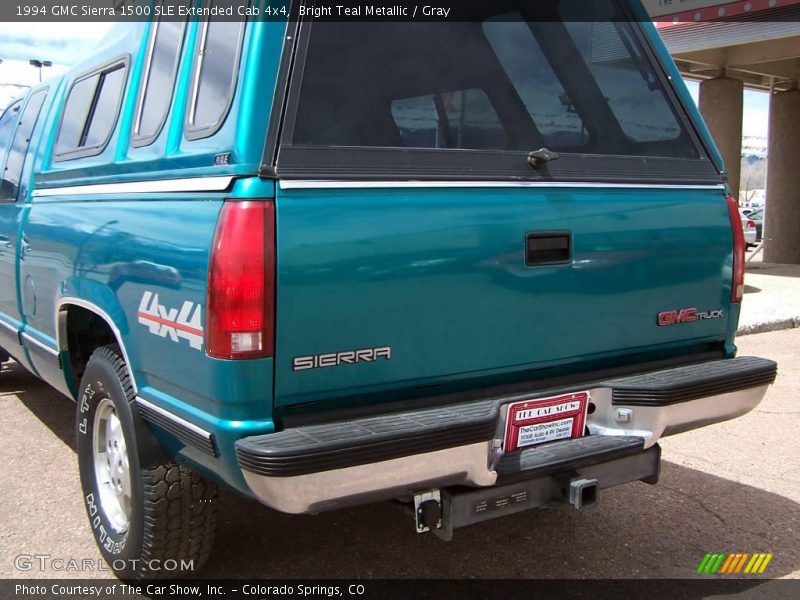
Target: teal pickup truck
x=328 y=262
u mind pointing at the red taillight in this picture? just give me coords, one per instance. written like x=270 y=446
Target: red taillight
x=750 y=225
x=737 y=285
x=240 y=313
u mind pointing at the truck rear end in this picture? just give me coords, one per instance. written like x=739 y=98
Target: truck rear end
x=505 y=265
x=480 y=264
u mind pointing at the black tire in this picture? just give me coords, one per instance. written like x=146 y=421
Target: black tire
x=171 y=511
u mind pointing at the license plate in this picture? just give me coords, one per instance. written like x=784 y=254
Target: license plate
x=533 y=422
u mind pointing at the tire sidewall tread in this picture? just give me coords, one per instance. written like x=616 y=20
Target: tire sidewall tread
x=173 y=516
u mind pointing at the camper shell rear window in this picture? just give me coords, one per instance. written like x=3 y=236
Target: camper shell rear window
x=472 y=99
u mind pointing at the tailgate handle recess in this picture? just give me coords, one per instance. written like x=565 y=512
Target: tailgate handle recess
x=548 y=248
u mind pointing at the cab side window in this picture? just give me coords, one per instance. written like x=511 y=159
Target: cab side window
x=19 y=147
x=8 y=124
x=216 y=70
x=91 y=112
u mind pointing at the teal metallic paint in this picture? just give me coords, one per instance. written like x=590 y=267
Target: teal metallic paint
x=436 y=274
x=264 y=41
x=678 y=84
x=13 y=255
x=439 y=275
x=253 y=187
x=226 y=431
x=10 y=293
x=108 y=252
x=733 y=324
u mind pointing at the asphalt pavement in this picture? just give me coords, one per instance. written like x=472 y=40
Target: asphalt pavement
x=731 y=487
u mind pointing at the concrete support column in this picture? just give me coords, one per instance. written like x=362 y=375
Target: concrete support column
x=722 y=104
x=782 y=225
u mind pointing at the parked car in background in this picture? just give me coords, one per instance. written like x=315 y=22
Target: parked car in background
x=750 y=231
x=756 y=219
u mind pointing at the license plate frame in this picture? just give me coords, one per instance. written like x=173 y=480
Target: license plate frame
x=542 y=420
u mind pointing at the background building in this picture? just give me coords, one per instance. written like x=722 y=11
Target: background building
x=731 y=46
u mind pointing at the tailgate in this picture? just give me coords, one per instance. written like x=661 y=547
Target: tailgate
x=389 y=288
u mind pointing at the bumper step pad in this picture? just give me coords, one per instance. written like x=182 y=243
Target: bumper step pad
x=539 y=461
x=343 y=444
x=682 y=384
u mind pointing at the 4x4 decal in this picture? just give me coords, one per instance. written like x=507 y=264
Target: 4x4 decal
x=185 y=323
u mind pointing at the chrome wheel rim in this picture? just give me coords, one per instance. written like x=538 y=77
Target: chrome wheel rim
x=111 y=466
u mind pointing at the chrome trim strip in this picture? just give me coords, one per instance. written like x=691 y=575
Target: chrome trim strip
x=62 y=334
x=188 y=184
x=9 y=329
x=324 y=184
x=173 y=417
x=42 y=346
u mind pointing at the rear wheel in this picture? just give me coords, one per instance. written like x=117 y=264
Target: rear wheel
x=149 y=521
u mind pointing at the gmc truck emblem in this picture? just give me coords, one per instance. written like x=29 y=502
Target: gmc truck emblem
x=686 y=315
x=334 y=359
x=175 y=324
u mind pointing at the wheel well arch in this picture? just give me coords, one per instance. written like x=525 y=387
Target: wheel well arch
x=82 y=328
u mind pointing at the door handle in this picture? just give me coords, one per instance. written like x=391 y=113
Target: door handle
x=548 y=248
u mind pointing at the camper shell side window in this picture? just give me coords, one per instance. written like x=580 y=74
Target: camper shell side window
x=91 y=111
x=158 y=82
x=214 y=75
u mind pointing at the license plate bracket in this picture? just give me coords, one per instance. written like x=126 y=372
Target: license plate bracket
x=534 y=422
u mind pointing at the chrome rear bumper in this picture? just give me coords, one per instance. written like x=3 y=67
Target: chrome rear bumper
x=322 y=467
